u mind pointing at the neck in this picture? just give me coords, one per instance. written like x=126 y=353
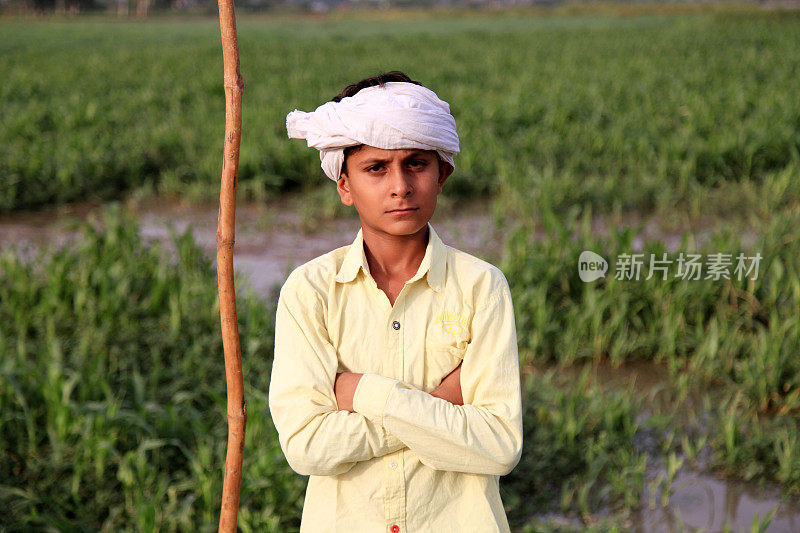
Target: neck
x=394 y=255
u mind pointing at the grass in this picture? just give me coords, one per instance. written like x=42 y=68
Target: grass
x=111 y=375
x=112 y=394
x=736 y=340
x=581 y=453
x=112 y=386
x=739 y=331
x=692 y=108
x=112 y=400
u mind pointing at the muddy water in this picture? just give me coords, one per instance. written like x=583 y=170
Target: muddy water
x=269 y=239
x=704 y=502
x=270 y=242
x=700 y=500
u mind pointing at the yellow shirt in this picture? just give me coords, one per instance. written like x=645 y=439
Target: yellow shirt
x=405 y=461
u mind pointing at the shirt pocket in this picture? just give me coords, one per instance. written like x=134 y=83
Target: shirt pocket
x=444 y=351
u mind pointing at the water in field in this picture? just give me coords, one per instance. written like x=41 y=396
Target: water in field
x=270 y=242
x=271 y=239
x=700 y=500
x=705 y=502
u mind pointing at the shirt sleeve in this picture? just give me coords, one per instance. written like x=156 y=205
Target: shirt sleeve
x=316 y=437
x=483 y=436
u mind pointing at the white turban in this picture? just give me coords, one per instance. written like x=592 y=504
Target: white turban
x=395 y=115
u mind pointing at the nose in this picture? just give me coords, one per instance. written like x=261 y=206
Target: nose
x=401 y=181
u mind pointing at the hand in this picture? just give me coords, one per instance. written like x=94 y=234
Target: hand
x=344 y=387
x=450 y=387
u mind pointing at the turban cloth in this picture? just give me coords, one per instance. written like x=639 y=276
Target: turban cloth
x=395 y=115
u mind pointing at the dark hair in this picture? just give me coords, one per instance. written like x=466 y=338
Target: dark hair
x=380 y=79
x=353 y=88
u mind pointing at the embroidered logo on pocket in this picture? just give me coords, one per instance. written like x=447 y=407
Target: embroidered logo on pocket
x=451 y=322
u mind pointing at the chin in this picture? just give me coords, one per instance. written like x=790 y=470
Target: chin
x=401 y=226
x=405 y=227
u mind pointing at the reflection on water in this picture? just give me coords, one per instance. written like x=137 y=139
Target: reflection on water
x=704 y=502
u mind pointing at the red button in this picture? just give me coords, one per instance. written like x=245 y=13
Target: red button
x=395 y=528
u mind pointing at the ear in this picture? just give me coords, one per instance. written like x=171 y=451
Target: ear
x=343 y=188
x=445 y=169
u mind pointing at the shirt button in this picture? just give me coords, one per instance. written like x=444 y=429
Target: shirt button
x=393 y=465
x=396 y=324
x=395 y=528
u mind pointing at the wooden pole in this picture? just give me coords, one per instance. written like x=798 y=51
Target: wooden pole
x=237 y=408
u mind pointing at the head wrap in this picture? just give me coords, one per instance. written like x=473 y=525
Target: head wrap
x=395 y=115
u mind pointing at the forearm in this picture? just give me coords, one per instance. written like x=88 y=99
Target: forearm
x=462 y=438
x=315 y=436
x=482 y=436
x=329 y=442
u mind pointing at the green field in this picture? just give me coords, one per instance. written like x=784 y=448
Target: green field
x=112 y=394
x=645 y=112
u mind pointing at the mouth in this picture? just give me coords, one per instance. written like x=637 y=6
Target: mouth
x=402 y=211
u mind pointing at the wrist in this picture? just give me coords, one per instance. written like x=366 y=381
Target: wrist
x=371 y=395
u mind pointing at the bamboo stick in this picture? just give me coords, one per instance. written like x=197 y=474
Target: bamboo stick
x=237 y=408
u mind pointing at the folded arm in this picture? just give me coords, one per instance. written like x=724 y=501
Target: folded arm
x=483 y=436
x=316 y=437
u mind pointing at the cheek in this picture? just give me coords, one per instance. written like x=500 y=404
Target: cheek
x=430 y=181
x=366 y=194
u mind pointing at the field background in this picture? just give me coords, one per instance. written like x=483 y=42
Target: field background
x=111 y=376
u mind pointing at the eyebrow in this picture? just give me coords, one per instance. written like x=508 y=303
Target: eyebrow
x=375 y=160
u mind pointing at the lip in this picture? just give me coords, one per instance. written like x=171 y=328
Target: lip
x=402 y=211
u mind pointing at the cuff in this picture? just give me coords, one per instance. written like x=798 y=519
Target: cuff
x=371 y=395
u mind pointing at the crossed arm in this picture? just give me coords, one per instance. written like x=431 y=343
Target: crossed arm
x=328 y=422
x=346 y=382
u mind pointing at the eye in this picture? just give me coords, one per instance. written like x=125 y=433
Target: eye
x=418 y=162
x=374 y=167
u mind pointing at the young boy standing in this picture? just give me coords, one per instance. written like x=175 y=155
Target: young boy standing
x=395 y=384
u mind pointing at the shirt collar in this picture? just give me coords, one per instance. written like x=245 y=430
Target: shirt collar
x=433 y=262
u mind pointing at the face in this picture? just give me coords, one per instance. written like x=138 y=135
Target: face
x=378 y=182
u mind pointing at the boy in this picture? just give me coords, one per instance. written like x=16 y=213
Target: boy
x=395 y=384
